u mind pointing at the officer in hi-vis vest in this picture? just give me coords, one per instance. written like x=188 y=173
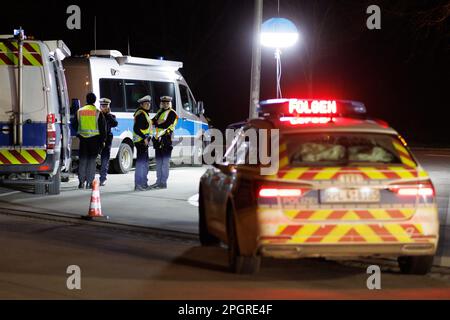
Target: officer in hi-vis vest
x=92 y=135
x=165 y=122
x=141 y=136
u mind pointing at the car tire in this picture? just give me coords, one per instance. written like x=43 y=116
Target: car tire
x=124 y=160
x=55 y=187
x=206 y=239
x=419 y=265
x=239 y=264
x=39 y=188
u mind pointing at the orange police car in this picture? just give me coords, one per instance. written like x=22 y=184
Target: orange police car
x=346 y=186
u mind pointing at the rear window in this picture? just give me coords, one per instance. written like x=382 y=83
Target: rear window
x=342 y=149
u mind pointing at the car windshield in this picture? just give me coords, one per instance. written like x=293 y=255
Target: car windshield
x=342 y=149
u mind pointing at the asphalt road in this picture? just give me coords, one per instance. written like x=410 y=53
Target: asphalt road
x=176 y=208
x=120 y=264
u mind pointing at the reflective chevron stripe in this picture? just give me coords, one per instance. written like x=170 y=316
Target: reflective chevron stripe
x=9 y=54
x=347 y=233
x=24 y=156
x=345 y=215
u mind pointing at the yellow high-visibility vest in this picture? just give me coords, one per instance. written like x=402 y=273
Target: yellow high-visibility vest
x=88 y=121
x=162 y=118
x=146 y=131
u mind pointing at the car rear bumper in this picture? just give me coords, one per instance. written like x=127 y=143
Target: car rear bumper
x=290 y=239
x=294 y=251
x=49 y=167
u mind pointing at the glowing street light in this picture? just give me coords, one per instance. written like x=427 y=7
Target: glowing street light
x=279 y=33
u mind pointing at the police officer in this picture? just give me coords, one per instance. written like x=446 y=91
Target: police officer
x=111 y=122
x=92 y=134
x=141 y=135
x=164 y=122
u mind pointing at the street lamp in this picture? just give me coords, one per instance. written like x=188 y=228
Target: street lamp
x=279 y=33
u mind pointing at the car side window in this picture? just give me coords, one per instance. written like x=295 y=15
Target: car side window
x=160 y=89
x=113 y=89
x=134 y=90
x=187 y=101
x=230 y=156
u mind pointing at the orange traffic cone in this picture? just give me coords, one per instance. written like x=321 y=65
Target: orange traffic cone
x=95 y=207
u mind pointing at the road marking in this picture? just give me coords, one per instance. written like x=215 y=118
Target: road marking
x=9 y=193
x=193 y=200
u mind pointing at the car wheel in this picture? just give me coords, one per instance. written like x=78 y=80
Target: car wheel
x=420 y=265
x=124 y=160
x=39 y=188
x=206 y=239
x=239 y=264
x=55 y=187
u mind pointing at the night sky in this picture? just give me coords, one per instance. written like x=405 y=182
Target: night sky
x=401 y=72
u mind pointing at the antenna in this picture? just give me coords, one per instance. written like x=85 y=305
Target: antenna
x=95 y=32
x=129 y=46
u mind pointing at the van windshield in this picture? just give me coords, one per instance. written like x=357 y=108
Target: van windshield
x=342 y=149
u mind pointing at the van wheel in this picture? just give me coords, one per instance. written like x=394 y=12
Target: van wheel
x=55 y=187
x=39 y=188
x=206 y=239
x=239 y=264
x=420 y=265
x=124 y=160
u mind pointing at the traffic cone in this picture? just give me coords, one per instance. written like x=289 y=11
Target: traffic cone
x=95 y=207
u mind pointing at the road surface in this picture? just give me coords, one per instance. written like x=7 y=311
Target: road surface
x=122 y=264
x=176 y=208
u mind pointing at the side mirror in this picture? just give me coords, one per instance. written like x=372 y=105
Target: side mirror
x=225 y=168
x=200 y=108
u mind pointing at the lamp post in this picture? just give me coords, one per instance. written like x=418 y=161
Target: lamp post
x=256 y=60
x=279 y=33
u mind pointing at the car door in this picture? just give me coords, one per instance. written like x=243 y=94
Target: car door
x=221 y=183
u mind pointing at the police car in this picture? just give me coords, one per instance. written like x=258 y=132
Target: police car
x=346 y=186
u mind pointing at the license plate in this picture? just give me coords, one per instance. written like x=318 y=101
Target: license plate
x=336 y=195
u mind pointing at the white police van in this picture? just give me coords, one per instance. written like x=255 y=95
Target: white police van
x=125 y=79
x=34 y=113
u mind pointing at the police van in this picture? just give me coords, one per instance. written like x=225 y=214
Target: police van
x=124 y=80
x=34 y=113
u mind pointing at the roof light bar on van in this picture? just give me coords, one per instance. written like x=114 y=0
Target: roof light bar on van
x=149 y=62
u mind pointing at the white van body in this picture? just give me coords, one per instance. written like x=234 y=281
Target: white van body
x=125 y=79
x=44 y=150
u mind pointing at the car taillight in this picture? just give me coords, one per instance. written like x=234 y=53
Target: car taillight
x=51 y=131
x=278 y=192
x=424 y=189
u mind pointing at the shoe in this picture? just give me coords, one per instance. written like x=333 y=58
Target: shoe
x=154 y=186
x=81 y=185
x=102 y=183
x=139 y=188
x=161 y=186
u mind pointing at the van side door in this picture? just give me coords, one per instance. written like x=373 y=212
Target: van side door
x=64 y=111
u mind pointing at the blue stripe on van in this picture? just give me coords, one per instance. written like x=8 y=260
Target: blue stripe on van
x=34 y=135
x=184 y=127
